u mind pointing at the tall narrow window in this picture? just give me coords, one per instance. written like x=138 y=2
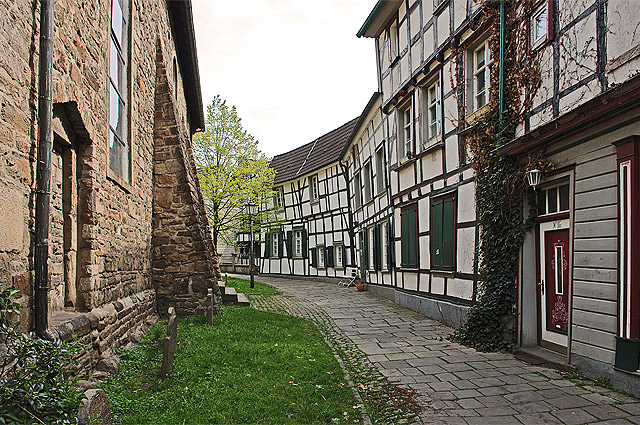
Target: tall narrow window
x=371 y=250
x=298 y=243
x=321 y=257
x=313 y=188
x=432 y=113
x=278 y=197
x=380 y=170
x=482 y=62
x=357 y=189
x=366 y=176
x=119 y=144
x=406 y=130
x=384 y=246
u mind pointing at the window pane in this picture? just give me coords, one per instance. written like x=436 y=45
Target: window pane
x=116 y=20
x=564 y=197
x=552 y=195
x=448 y=229
x=542 y=202
x=114 y=113
x=113 y=62
x=115 y=154
x=480 y=58
x=541 y=25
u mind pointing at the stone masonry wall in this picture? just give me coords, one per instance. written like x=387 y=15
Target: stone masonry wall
x=114 y=218
x=184 y=265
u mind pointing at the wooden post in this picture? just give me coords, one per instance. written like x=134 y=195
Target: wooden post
x=210 y=303
x=169 y=344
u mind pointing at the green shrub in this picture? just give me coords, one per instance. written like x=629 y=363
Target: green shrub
x=33 y=384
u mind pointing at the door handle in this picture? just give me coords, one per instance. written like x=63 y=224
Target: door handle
x=541 y=285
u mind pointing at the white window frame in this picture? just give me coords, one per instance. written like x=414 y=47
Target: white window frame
x=275 y=252
x=538 y=39
x=279 y=197
x=384 y=241
x=297 y=236
x=337 y=251
x=372 y=238
x=313 y=188
x=357 y=189
x=366 y=176
x=406 y=129
x=476 y=71
x=394 y=48
x=431 y=102
x=380 y=171
x=321 y=259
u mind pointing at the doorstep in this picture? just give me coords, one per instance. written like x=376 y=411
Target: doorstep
x=541 y=356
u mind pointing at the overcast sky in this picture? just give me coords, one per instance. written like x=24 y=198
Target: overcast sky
x=294 y=69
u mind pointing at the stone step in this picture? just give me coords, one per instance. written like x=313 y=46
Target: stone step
x=222 y=287
x=229 y=296
x=243 y=300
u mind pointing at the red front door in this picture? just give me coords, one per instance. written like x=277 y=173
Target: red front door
x=556 y=293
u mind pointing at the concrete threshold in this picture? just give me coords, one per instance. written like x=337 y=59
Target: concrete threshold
x=541 y=356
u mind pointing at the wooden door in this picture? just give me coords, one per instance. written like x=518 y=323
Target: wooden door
x=554 y=284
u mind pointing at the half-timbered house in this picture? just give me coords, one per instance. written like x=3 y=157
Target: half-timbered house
x=311 y=236
x=430 y=181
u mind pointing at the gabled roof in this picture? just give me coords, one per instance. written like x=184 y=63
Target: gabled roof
x=314 y=155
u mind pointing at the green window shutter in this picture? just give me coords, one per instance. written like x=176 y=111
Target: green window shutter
x=377 y=249
x=267 y=245
x=313 y=257
x=330 y=257
x=289 y=244
x=437 y=248
x=280 y=245
x=305 y=254
x=413 y=238
x=448 y=233
x=409 y=237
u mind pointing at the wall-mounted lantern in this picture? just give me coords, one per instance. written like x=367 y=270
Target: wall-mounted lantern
x=533 y=178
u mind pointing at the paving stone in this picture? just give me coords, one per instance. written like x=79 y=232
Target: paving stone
x=633 y=408
x=489 y=391
x=444 y=395
x=512 y=379
x=534 y=407
x=569 y=401
x=524 y=397
x=487 y=382
x=466 y=393
x=467 y=374
x=496 y=411
x=463 y=384
x=573 y=416
x=431 y=369
x=470 y=403
x=456 y=367
x=493 y=401
x=538 y=419
x=443 y=386
x=605 y=411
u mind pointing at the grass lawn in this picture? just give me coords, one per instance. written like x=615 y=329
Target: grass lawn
x=250 y=367
x=243 y=285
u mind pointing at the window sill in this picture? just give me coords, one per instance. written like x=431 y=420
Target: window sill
x=443 y=273
x=404 y=161
x=314 y=201
x=125 y=185
x=408 y=269
x=432 y=144
x=477 y=114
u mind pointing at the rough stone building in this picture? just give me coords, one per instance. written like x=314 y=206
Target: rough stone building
x=128 y=232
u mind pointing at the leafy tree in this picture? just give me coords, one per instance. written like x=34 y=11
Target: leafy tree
x=232 y=172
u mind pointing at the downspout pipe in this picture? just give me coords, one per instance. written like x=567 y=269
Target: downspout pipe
x=43 y=173
x=501 y=82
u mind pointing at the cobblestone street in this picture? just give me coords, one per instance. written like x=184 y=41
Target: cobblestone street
x=453 y=383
